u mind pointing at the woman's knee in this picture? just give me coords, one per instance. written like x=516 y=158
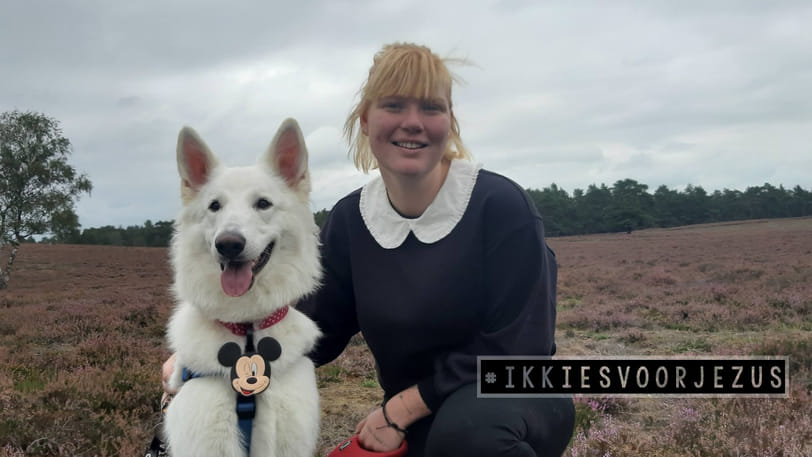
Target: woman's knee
x=553 y=425
x=471 y=426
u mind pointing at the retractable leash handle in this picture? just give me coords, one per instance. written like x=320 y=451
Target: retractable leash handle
x=352 y=448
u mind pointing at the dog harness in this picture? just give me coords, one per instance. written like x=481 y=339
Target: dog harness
x=246 y=404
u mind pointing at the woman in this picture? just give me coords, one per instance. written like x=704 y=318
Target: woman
x=435 y=262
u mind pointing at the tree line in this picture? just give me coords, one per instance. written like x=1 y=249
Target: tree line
x=157 y=234
x=628 y=205
x=625 y=206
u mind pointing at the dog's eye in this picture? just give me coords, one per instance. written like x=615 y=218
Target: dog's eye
x=214 y=206
x=263 y=204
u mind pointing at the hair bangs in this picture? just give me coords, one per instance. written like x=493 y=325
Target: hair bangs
x=408 y=74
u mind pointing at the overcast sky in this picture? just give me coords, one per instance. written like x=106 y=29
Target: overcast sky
x=715 y=94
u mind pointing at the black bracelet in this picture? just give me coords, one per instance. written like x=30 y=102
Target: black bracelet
x=389 y=423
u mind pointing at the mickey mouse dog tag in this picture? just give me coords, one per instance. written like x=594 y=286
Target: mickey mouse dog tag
x=250 y=371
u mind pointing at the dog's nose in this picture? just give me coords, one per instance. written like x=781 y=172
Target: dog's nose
x=230 y=245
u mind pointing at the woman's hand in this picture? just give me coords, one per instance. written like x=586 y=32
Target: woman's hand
x=166 y=373
x=375 y=435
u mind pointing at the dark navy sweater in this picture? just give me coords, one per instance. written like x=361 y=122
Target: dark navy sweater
x=428 y=310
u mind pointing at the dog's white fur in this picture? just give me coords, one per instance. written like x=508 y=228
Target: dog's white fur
x=201 y=419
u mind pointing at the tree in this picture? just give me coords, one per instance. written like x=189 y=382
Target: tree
x=65 y=226
x=594 y=205
x=696 y=205
x=321 y=217
x=666 y=204
x=38 y=187
x=556 y=209
x=800 y=202
x=631 y=206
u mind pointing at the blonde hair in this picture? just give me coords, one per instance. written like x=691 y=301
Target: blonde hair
x=402 y=69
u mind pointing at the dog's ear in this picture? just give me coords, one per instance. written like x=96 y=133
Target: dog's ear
x=195 y=162
x=287 y=155
x=269 y=348
x=228 y=354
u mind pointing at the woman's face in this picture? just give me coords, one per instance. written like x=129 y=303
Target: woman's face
x=407 y=135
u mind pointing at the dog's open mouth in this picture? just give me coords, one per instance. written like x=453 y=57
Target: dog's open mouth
x=237 y=276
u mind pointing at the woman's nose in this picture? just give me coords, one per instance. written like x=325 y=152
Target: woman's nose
x=411 y=118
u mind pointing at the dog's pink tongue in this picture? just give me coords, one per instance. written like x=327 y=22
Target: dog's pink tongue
x=236 y=279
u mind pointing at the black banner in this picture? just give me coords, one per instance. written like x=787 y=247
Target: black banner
x=633 y=376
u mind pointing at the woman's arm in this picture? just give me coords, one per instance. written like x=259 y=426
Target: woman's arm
x=332 y=306
x=376 y=433
x=166 y=374
x=517 y=314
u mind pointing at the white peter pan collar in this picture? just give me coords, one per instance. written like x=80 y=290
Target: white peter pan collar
x=390 y=229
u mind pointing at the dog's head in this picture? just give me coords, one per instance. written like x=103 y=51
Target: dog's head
x=245 y=242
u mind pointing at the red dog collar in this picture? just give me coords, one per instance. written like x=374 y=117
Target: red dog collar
x=240 y=328
x=352 y=448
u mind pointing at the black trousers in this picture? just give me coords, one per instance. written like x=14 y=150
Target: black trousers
x=493 y=427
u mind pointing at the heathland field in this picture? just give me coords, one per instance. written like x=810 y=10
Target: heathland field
x=81 y=342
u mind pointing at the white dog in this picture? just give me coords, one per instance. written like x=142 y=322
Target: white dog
x=245 y=250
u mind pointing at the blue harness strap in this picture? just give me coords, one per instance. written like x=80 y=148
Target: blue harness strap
x=188 y=374
x=246 y=409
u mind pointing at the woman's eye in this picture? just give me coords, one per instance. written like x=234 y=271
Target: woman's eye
x=263 y=204
x=214 y=206
x=391 y=105
x=433 y=107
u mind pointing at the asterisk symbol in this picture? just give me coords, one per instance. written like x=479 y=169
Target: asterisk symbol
x=490 y=377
